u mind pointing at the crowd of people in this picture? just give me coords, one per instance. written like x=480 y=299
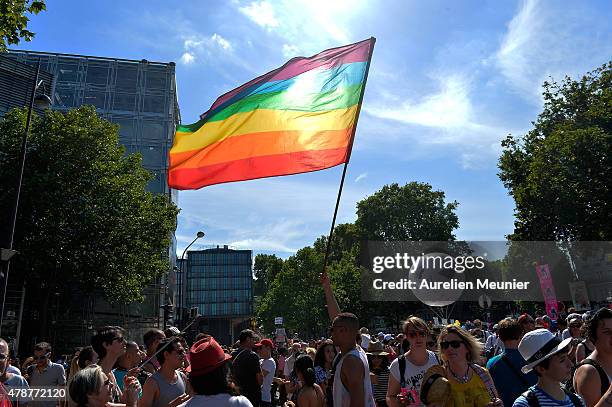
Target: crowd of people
x=520 y=362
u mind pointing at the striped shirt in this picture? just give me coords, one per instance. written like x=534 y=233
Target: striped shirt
x=380 y=389
x=546 y=400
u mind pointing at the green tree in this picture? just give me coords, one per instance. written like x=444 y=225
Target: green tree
x=14 y=22
x=85 y=216
x=412 y=212
x=266 y=267
x=559 y=172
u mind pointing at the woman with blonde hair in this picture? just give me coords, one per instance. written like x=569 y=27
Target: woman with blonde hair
x=471 y=385
x=406 y=372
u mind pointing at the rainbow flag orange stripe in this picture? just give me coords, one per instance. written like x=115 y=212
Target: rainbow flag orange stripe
x=297 y=118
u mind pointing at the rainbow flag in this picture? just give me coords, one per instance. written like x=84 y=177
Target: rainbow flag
x=297 y=118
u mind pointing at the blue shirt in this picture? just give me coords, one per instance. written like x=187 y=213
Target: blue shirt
x=508 y=385
x=546 y=400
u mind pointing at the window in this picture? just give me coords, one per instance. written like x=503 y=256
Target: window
x=65 y=96
x=94 y=97
x=124 y=101
x=152 y=156
x=154 y=104
x=153 y=130
x=127 y=130
x=68 y=72
x=127 y=77
x=97 y=75
x=156 y=79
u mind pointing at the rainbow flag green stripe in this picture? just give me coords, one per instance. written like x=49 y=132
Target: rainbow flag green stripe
x=297 y=118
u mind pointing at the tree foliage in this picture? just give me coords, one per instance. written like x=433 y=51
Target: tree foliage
x=14 y=21
x=85 y=215
x=265 y=268
x=559 y=172
x=412 y=212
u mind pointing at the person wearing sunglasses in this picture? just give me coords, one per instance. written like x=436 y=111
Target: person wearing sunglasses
x=471 y=385
x=45 y=373
x=109 y=343
x=168 y=387
x=408 y=369
x=91 y=387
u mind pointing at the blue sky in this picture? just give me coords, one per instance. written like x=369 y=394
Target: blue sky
x=448 y=81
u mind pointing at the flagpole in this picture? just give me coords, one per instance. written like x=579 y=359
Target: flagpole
x=350 y=150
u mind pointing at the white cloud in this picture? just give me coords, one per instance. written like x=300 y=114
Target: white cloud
x=448 y=108
x=187 y=58
x=262 y=13
x=222 y=42
x=361 y=177
x=276 y=214
x=317 y=24
x=550 y=39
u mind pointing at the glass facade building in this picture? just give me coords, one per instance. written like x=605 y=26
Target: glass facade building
x=219 y=282
x=140 y=97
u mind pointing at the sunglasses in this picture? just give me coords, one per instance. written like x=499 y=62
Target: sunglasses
x=454 y=344
x=414 y=334
x=43 y=357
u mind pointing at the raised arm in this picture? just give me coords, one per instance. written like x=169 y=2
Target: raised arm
x=330 y=299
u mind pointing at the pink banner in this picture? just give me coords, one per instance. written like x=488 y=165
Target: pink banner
x=548 y=290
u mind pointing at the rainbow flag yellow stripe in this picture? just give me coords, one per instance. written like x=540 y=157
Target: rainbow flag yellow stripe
x=297 y=118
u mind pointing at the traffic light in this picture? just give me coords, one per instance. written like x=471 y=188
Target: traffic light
x=168 y=313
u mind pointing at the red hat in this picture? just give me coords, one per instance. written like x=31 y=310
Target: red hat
x=205 y=356
x=265 y=342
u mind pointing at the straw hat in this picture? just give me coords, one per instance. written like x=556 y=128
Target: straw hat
x=376 y=348
x=435 y=387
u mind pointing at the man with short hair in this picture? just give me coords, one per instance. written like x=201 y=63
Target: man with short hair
x=129 y=360
x=151 y=340
x=246 y=369
x=167 y=387
x=268 y=368
x=547 y=357
x=11 y=380
x=109 y=343
x=351 y=385
x=45 y=373
x=505 y=369
x=592 y=377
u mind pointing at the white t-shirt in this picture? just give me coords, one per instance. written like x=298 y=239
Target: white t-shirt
x=218 y=400
x=413 y=375
x=365 y=341
x=266 y=387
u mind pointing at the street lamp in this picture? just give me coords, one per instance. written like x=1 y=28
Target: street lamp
x=42 y=102
x=179 y=306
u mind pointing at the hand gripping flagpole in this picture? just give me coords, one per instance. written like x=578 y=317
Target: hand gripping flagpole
x=350 y=150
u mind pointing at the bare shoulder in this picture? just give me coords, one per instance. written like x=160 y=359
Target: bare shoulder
x=586 y=372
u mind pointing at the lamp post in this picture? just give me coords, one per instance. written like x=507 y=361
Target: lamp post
x=41 y=101
x=179 y=304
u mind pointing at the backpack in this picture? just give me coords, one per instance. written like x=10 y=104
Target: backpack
x=532 y=399
x=568 y=386
x=401 y=360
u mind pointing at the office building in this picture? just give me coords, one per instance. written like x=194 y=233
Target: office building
x=140 y=96
x=219 y=282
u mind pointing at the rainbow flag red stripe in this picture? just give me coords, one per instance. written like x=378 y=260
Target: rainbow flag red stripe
x=297 y=118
